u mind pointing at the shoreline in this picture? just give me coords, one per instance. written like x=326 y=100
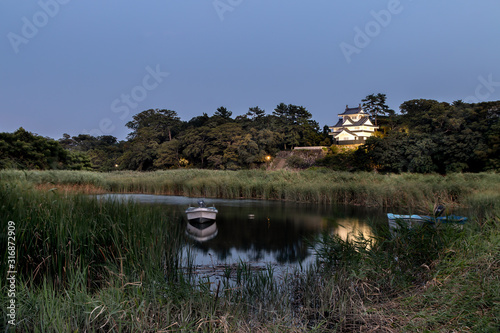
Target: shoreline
x=311 y=186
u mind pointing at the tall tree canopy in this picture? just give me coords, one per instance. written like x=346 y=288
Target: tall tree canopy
x=375 y=105
x=25 y=150
x=427 y=136
x=160 y=124
x=150 y=128
x=439 y=137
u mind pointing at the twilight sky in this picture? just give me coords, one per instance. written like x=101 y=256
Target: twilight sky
x=75 y=66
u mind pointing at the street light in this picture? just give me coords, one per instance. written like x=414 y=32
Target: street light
x=268 y=159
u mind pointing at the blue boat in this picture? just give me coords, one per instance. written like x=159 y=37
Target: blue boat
x=419 y=220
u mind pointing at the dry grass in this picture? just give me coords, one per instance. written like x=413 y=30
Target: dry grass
x=323 y=186
x=70 y=188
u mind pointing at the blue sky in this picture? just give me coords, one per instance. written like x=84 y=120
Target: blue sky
x=74 y=66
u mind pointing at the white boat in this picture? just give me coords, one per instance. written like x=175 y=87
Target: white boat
x=202 y=213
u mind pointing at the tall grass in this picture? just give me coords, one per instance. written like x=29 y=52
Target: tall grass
x=89 y=265
x=425 y=279
x=63 y=235
x=71 y=251
x=318 y=186
x=462 y=293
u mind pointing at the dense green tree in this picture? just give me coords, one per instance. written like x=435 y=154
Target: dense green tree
x=248 y=151
x=437 y=137
x=79 y=161
x=140 y=154
x=102 y=151
x=428 y=136
x=198 y=121
x=25 y=150
x=194 y=144
x=168 y=155
x=222 y=115
x=150 y=128
x=295 y=126
x=159 y=124
x=492 y=153
x=267 y=140
x=67 y=142
x=255 y=113
x=376 y=106
x=83 y=142
x=220 y=139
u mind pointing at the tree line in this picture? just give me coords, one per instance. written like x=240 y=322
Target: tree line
x=429 y=137
x=425 y=136
x=159 y=139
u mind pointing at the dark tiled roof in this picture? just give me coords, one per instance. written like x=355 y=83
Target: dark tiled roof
x=346 y=130
x=362 y=121
x=349 y=111
x=338 y=124
x=350 y=122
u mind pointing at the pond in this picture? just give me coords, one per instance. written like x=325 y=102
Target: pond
x=261 y=232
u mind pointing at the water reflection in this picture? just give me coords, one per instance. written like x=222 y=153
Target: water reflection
x=263 y=232
x=201 y=232
x=277 y=233
x=349 y=227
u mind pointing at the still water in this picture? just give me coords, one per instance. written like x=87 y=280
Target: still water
x=261 y=232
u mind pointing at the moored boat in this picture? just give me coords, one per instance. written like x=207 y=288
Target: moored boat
x=418 y=220
x=202 y=213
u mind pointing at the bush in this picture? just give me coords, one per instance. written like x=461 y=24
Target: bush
x=296 y=162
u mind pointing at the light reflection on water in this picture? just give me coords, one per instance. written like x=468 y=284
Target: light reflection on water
x=262 y=232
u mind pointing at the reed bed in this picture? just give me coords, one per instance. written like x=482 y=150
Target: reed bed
x=90 y=265
x=315 y=186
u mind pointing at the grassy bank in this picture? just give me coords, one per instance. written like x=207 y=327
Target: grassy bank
x=316 y=186
x=91 y=265
x=426 y=280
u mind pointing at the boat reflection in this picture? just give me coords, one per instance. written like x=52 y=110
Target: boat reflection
x=202 y=232
x=282 y=235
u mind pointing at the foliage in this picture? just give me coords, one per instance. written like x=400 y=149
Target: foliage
x=25 y=150
x=296 y=162
x=426 y=137
x=421 y=279
x=86 y=265
x=151 y=128
x=101 y=153
x=430 y=136
x=464 y=287
x=376 y=106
